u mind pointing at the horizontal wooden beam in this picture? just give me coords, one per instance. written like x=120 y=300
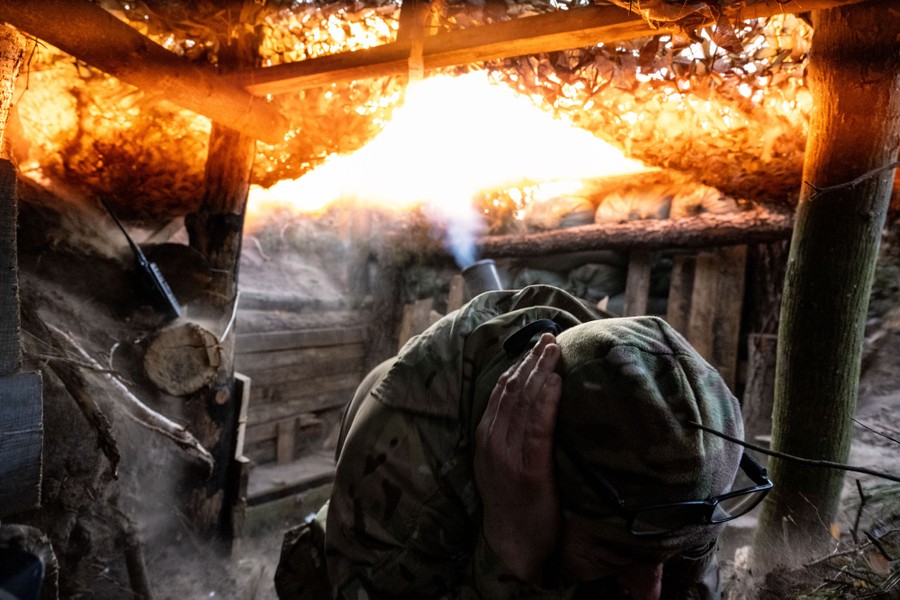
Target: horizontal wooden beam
x=560 y=30
x=757 y=226
x=707 y=231
x=94 y=36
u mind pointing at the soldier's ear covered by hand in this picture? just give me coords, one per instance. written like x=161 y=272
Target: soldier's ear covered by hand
x=514 y=470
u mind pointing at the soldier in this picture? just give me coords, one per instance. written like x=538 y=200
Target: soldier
x=523 y=447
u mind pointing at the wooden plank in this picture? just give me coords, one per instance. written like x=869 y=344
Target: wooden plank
x=10 y=351
x=255 y=361
x=728 y=316
x=560 y=30
x=21 y=436
x=242 y=394
x=703 y=304
x=637 y=284
x=314 y=403
x=315 y=430
x=681 y=288
x=263 y=395
x=258 y=432
x=302 y=374
x=241 y=467
x=716 y=305
x=91 y=34
x=304 y=338
x=285 y=434
x=270 y=479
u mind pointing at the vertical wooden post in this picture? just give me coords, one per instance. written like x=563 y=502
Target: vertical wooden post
x=637 y=284
x=20 y=393
x=215 y=231
x=678 y=306
x=854 y=74
x=715 y=323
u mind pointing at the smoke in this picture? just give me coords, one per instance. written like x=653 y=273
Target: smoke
x=458 y=223
x=460 y=241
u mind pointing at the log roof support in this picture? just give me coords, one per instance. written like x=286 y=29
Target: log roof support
x=94 y=36
x=757 y=226
x=560 y=30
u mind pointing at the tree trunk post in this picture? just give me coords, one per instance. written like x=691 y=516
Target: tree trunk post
x=215 y=230
x=855 y=129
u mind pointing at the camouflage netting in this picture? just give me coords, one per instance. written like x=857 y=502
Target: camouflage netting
x=736 y=120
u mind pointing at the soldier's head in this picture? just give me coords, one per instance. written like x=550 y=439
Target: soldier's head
x=635 y=473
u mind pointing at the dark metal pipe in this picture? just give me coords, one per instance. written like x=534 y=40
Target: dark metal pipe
x=481 y=276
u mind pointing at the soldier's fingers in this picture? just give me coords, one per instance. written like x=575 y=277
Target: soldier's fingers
x=525 y=386
x=537 y=452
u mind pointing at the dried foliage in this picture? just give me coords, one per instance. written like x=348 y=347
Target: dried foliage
x=865 y=565
x=734 y=120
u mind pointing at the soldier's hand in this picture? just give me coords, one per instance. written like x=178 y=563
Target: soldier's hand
x=514 y=469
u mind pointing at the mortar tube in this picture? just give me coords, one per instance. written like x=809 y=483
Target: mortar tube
x=481 y=276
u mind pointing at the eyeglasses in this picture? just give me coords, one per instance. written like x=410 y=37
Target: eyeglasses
x=661 y=519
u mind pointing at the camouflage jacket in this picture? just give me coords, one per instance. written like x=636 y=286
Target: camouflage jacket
x=404 y=518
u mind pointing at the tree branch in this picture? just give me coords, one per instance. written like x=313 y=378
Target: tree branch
x=134 y=408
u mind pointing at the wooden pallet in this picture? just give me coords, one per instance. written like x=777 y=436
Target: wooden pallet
x=300 y=382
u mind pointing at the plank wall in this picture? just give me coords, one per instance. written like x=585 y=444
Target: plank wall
x=301 y=380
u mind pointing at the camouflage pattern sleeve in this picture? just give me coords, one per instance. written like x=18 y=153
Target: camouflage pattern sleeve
x=400 y=532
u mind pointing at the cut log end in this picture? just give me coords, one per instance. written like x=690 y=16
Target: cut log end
x=183 y=358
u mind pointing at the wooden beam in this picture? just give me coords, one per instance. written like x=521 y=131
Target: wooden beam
x=94 y=36
x=215 y=230
x=757 y=226
x=560 y=30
